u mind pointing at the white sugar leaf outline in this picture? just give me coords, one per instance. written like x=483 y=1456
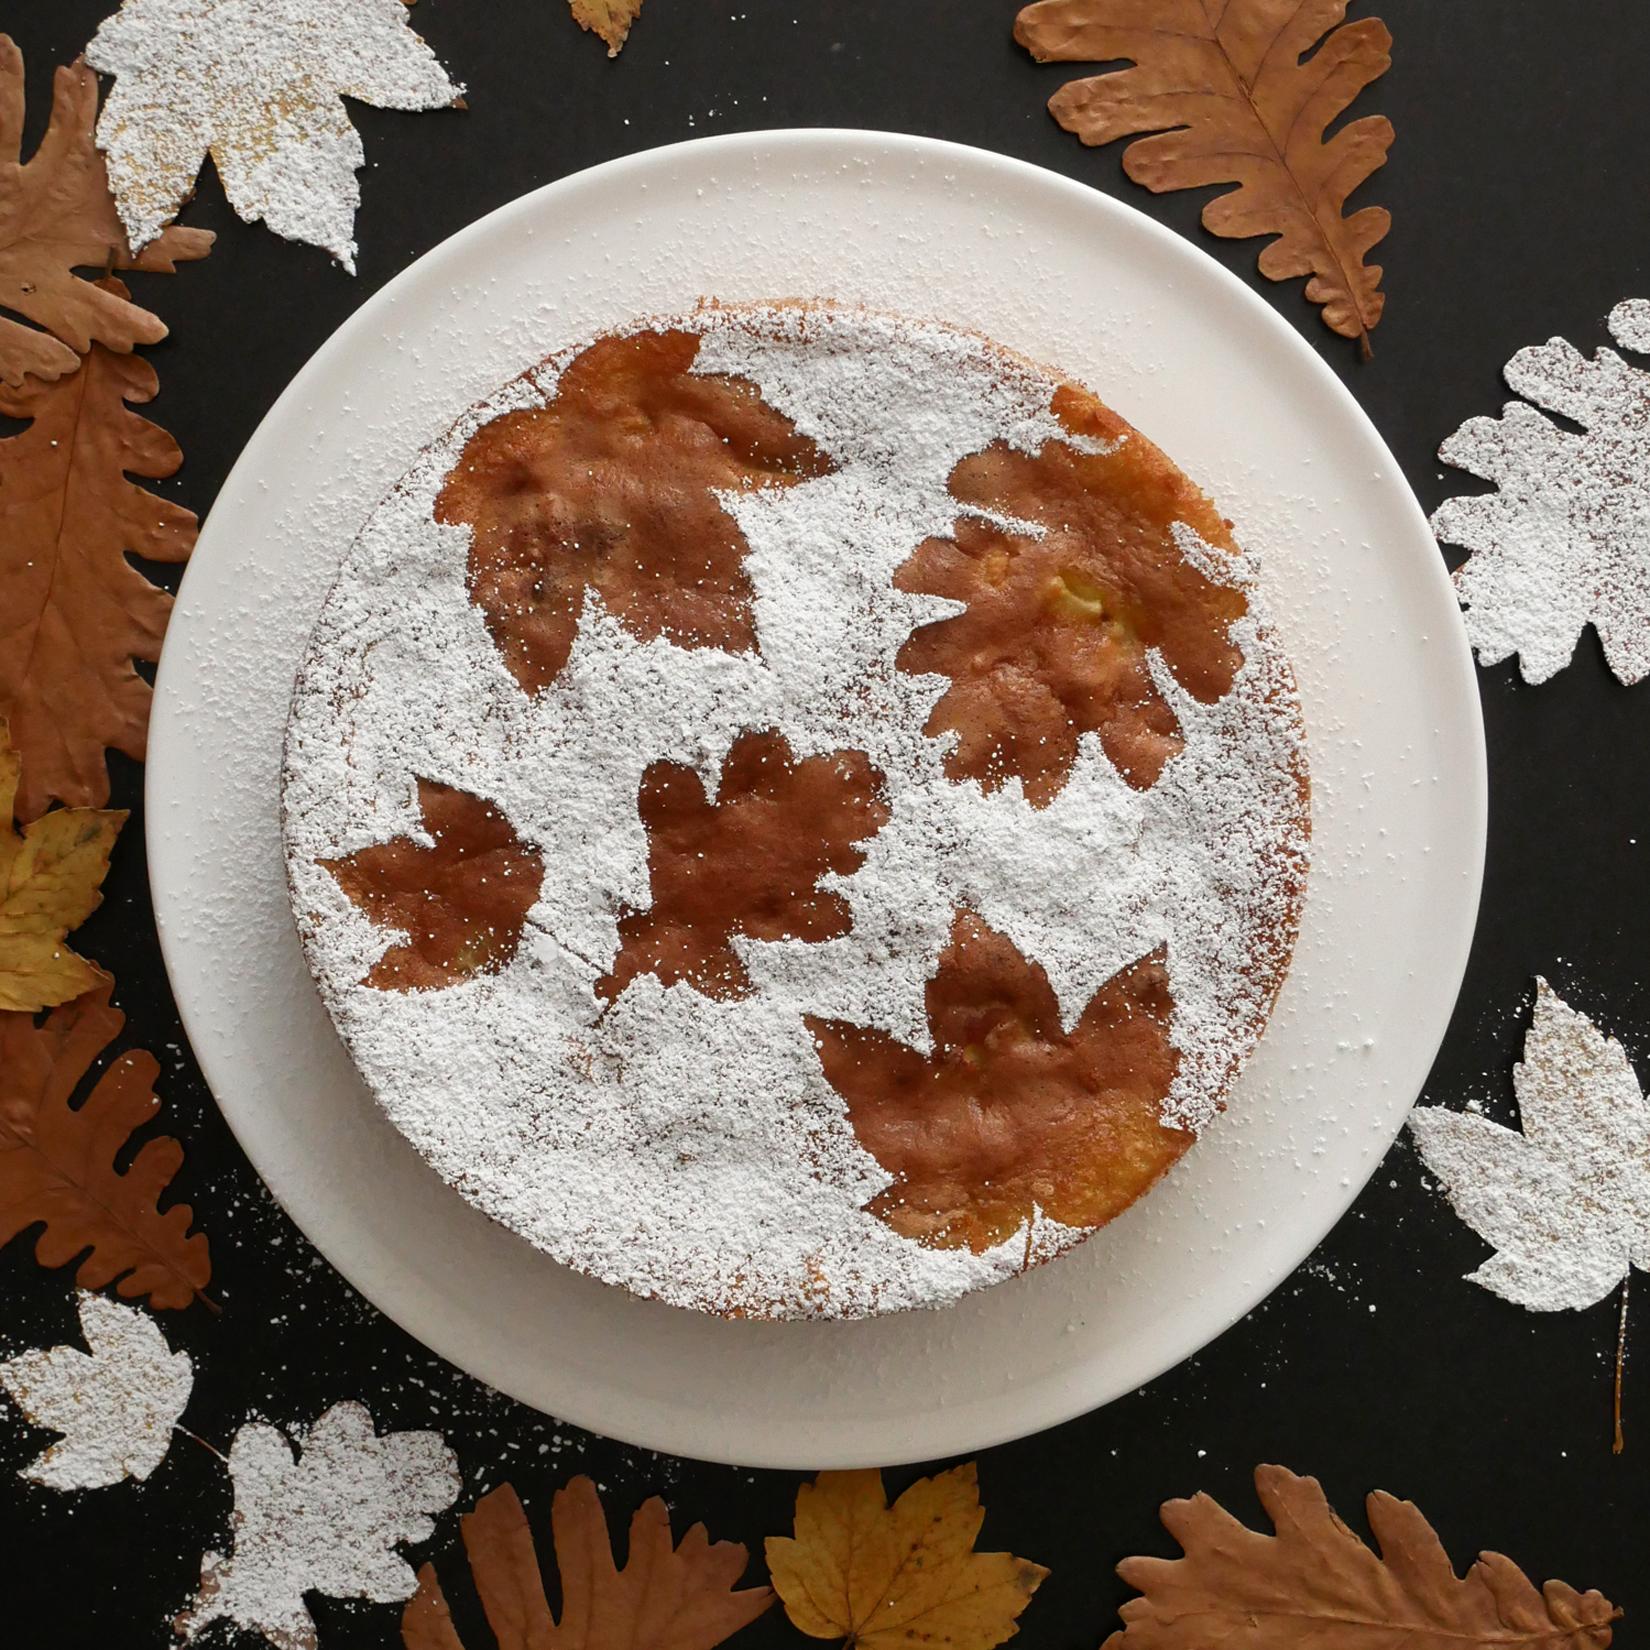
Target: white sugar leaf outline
x=259 y=86
x=343 y=1497
x=116 y=1404
x=1564 y=541
x=1565 y=1200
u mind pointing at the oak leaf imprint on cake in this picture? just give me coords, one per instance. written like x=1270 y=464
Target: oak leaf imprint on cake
x=51 y=880
x=611 y=19
x=58 y=1160
x=1314 y=1585
x=1565 y=1199
x=321 y=1511
x=56 y=216
x=1059 y=627
x=115 y=1404
x=462 y=900
x=74 y=612
x=611 y=489
x=1564 y=541
x=1240 y=93
x=259 y=86
x=746 y=864
x=1010 y=1116
x=666 y=1597
x=892 y=1578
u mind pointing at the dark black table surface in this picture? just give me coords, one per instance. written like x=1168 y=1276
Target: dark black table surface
x=1520 y=191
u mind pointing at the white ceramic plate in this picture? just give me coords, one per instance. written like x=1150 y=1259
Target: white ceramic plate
x=1179 y=348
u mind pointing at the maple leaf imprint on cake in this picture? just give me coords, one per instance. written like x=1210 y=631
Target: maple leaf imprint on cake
x=462 y=900
x=1566 y=1200
x=612 y=487
x=1058 y=627
x=1010 y=1114
x=747 y=864
x=1563 y=542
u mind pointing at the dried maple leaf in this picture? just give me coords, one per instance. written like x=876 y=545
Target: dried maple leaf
x=259 y=86
x=1059 y=627
x=462 y=900
x=58 y=1160
x=880 y=1577
x=115 y=1404
x=611 y=19
x=51 y=880
x=1230 y=95
x=665 y=1598
x=1565 y=1202
x=612 y=488
x=74 y=612
x=747 y=863
x=56 y=215
x=343 y=1499
x=1562 y=543
x=1010 y=1115
x=1315 y=1586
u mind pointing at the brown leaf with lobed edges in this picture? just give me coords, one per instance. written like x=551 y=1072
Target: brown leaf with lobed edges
x=74 y=612
x=58 y=1160
x=462 y=899
x=611 y=489
x=747 y=863
x=611 y=19
x=1058 y=627
x=1239 y=92
x=1010 y=1115
x=51 y=880
x=666 y=1597
x=57 y=215
x=884 y=1578
x=1314 y=1585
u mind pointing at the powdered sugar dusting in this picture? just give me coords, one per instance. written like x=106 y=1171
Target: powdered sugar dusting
x=686 y=1147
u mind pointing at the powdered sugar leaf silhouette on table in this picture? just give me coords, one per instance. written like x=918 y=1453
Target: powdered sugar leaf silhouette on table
x=321 y=1511
x=258 y=85
x=1564 y=541
x=1566 y=1202
x=114 y=1404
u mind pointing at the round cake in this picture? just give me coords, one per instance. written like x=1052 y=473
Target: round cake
x=795 y=811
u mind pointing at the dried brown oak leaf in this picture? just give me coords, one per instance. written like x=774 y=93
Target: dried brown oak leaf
x=611 y=19
x=51 y=880
x=1239 y=91
x=1058 y=627
x=1316 y=1584
x=74 y=612
x=747 y=863
x=461 y=899
x=666 y=1597
x=58 y=1160
x=612 y=488
x=56 y=216
x=882 y=1578
x=1010 y=1114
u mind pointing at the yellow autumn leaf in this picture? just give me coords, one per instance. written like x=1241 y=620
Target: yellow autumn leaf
x=51 y=877
x=882 y=1578
x=611 y=19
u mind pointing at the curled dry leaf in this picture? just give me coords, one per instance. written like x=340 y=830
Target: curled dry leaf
x=58 y=1160
x=51 y=880
x=665 y=1598
x=1314 y=1585
x=74 y=612
x=882 y=1578
x=611 y=19
x=56 y=216
x=1239 y=93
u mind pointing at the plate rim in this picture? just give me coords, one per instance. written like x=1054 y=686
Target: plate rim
x=168 y=741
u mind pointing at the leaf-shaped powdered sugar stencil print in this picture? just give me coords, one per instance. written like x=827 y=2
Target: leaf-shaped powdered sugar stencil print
x=1564 y=541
